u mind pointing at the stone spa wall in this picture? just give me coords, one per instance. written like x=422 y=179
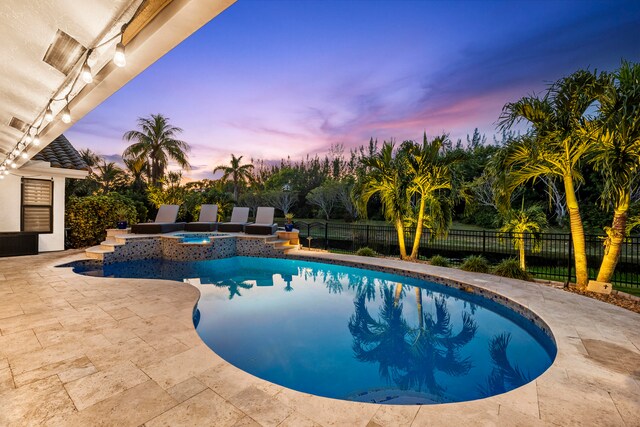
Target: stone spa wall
x=173 y=248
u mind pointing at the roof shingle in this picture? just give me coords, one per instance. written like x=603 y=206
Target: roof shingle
x=61 y=154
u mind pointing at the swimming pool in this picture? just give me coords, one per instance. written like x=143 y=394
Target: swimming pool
x=354 y=334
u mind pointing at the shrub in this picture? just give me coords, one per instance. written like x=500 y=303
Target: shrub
x=511 y=268
x=88 y=217
x=366 y=252
x=476 y=264
x=439 y=261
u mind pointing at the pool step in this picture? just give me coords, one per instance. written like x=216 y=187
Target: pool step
x=110 y=245
x=113 y=232
x=278 y=243
x=97 y=252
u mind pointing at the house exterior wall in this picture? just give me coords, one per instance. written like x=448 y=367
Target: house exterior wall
x=10 y=202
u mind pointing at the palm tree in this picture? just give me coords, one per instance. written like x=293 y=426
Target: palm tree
x=156 y=144
x=616 y=154
x=383 y=341
x=137 y=169
x=436 y=348
x=236 y=172
x=503 y=373
x=109 y=177
x=555 y=146
x=89 y=157
x=430 y=172
x=522 y=223
x=233 y=286
x=386 y=178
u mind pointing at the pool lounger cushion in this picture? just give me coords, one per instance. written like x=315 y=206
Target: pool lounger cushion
x=231 y=227
x=206 y=220
x=264 y=224
x=165 y=222
x=201 y=226
x=239 y=218
x=157 y=227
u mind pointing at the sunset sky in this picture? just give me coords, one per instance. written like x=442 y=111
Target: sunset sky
x=275 y=78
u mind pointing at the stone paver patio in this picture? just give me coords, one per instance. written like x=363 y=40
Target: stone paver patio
x=78 y=350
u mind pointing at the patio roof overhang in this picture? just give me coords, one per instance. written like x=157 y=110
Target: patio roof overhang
x=27 y=31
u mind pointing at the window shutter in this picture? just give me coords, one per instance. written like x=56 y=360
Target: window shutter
x=37 y=205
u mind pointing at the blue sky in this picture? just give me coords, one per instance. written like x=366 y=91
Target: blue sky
x=275 y=78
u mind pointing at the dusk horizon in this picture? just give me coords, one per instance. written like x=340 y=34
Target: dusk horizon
x=278 y=79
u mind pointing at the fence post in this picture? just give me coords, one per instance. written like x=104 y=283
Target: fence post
x=569 y=263
x=367 y=244
x=484 y=241
x=326 y=236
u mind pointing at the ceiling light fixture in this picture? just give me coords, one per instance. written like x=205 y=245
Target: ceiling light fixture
x=84 y=73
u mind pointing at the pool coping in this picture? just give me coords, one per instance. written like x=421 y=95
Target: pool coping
x=592 y=380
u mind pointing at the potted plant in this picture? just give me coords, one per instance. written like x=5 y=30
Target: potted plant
x=122 y=214
x=288 y=226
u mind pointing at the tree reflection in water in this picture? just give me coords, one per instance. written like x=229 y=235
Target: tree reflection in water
x=410 y=357
x=503 y=372
x=234 y=286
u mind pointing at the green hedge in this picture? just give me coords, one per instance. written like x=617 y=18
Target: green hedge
x=88 y=217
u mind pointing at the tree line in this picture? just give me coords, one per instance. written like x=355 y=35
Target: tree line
x=574 y=165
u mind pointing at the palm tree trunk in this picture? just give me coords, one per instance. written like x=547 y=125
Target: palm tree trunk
x=522 y=254
x=419 y=227
x=577 y=234
x=396 y=299
x=400 y=231
x=613 y=244
x=419 y=304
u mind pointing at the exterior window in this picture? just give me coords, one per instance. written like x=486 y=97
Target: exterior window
x=37 y=205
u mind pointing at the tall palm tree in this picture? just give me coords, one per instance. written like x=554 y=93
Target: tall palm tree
x=430 y=172
x=384 y=340
x=556 y=145
x=109 y=176
x=236 y=172
x=386 y=178
x=156 y=143
x=616 y=154
x=89 y=157
x=137 y=169
x=523 y=224
x=436 y=348
x=503 y=375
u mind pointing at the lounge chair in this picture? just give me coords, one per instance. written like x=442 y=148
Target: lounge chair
x=165 y=222
x=208 y=220
x=264 y=222
x=239 y=218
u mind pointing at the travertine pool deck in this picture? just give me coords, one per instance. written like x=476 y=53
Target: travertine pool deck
x=84 y=351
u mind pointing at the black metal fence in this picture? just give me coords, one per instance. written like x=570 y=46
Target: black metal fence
x=552 y=259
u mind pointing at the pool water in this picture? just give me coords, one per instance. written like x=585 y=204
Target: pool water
x=355 y=334
x=199 y=238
